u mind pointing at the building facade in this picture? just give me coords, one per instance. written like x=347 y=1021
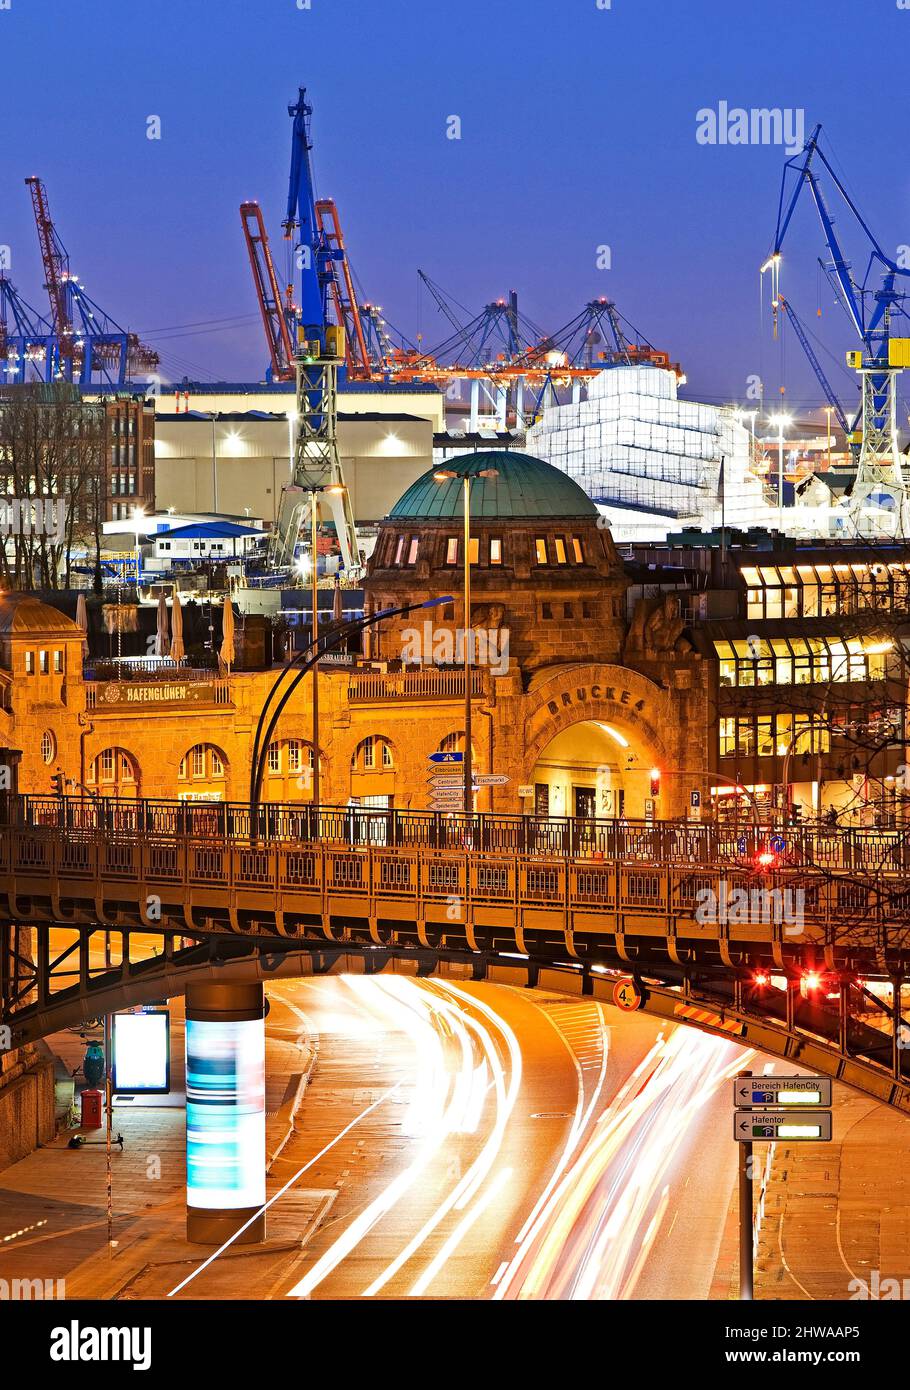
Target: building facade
x=672 y=682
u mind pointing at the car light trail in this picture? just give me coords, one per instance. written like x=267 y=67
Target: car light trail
x=592 y=1238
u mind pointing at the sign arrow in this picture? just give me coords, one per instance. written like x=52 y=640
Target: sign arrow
x=446 y=758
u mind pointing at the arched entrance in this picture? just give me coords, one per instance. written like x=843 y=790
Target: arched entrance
x=593 y=734
x=583 y=772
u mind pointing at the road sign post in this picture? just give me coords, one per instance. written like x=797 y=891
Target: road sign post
x=795 y=1126
x=746 y=1237
x=768 y=1108
x=782 y=1091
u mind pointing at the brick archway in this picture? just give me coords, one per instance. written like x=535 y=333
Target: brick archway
x=611 y=694
x=606 y=695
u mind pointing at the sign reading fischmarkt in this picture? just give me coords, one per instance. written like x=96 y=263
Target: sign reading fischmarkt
x=118 y=694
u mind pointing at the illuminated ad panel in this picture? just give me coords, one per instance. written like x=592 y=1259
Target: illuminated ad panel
x=142 y=1052
x=225 y=1114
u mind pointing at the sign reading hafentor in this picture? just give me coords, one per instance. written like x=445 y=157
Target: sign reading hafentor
x=796 y=1126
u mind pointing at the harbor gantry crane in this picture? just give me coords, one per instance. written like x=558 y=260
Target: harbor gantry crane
x=879 y=500
x=277 y=310
x=27 y=340
x=320 y=350
x=88 y=346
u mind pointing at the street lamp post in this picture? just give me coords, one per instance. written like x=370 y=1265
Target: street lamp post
x=334 y=489
x=315 y=635
x=445 y=475
x=138 y=514
x=782 y=422
x=214 y=470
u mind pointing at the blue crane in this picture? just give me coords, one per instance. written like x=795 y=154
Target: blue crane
x=871 y=307
x=27 y=341
x=824 y=383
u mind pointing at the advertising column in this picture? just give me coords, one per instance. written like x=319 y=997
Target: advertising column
x=225 y=1112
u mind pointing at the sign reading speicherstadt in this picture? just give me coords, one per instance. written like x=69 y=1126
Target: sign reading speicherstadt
x=793 y=1126
x=781 y=1091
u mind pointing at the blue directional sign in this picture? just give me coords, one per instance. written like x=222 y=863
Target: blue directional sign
x=446 y=758
x=778 y=844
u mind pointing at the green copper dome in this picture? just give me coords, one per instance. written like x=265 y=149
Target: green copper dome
x=524 y=487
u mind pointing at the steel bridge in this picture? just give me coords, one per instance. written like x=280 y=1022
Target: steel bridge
x=569 y=904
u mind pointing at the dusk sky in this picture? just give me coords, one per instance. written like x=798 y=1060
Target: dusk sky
x=578 y=130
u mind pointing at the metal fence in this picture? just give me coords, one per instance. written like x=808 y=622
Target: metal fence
x=663 y=842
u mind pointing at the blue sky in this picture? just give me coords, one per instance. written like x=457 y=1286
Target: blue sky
x=578 y=130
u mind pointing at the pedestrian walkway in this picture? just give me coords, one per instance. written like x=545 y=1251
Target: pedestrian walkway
x=837 y=1216
x=46 y=1237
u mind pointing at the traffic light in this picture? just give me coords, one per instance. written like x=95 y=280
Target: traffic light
x=58 y=782
x=766 y=859
x=655 y=781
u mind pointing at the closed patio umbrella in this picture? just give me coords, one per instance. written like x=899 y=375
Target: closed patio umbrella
x=337 y=604
x=162 y=641
x=226 y=650
x=82 y=621
x=177 y=652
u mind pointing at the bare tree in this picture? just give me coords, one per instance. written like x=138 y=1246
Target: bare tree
x=52 y=473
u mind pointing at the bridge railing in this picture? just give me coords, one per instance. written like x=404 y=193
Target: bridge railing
x=862 y=850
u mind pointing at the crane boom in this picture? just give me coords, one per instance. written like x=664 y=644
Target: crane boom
x=274 y=317
x=341 y=288
x=56 y=264
x=816 y=366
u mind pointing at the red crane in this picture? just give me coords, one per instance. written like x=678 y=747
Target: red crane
x=341 y=288
x=56 y=267
x=275 y=313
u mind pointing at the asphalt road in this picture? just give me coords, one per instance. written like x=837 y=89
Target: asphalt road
x=500 y=1143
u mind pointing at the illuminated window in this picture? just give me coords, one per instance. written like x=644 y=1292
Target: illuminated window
x=29 y=663
x=58 y=662
x=43 y=663
x=399 y=550
x=474 y=551
x=540 y=547
x=495 y=550
x=727 y=737
x=198 y=760
x=577 y=551
x=372 y=753
x=560 y=550
x=412 y=550
x=452 y=550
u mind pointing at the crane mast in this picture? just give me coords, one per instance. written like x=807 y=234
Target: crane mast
x=879 y=485
x=321 y=349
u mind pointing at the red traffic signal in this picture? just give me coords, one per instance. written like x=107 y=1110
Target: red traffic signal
x=655 y=781
x=766 y=859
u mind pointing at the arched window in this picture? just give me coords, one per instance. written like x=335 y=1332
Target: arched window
x=373 y=754
x=202 y=775
x=114 y=772
x=289 y=770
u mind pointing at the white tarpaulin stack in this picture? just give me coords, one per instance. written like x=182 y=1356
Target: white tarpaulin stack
x=632 y=444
